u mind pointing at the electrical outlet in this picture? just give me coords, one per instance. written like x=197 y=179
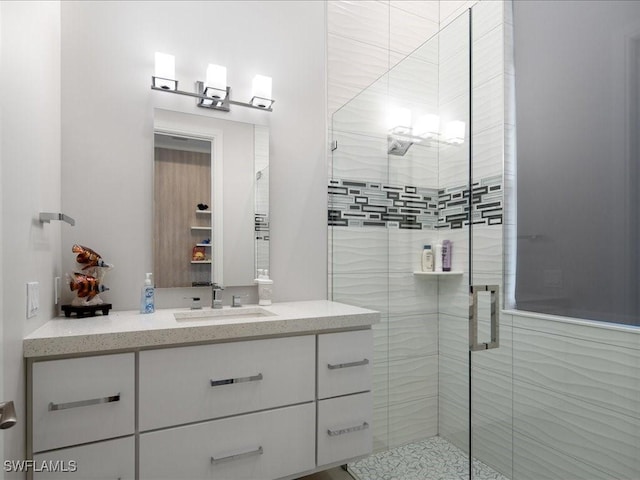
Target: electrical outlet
x=33 y=299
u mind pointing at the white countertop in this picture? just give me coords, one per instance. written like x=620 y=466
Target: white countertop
x=132 y=330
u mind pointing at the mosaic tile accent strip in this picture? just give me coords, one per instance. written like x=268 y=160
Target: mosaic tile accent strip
x=367 y=204
x=261 y=226
x=432 y=459
x=486 y=204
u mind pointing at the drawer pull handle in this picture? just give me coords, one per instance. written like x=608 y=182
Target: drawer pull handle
x=342 y=431
x=347 y=365
x=237 y=456
x=230 y=381
x=83 y=403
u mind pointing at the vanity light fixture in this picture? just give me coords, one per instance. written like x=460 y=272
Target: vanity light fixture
x=213 y=93
x=403 y=133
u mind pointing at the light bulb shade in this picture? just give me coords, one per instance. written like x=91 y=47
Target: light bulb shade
x=454 y=132
x=262 y=86
x=165 y=72
x=216 y=82
x=261 y=92
x=427 y=126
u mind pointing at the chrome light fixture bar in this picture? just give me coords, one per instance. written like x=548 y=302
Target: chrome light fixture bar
x=212 y=94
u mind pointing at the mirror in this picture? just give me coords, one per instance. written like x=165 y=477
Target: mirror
x=211 y=200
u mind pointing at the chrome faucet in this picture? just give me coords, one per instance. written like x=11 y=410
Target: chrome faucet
x=215 y=301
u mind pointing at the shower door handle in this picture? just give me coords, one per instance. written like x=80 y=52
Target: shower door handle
x=474 y=345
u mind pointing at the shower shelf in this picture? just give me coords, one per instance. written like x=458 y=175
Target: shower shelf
x=439 y=274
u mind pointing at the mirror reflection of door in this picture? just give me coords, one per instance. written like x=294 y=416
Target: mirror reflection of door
x=182 y=198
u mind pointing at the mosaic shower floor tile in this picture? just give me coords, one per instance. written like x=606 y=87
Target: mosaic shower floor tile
x=431 y=459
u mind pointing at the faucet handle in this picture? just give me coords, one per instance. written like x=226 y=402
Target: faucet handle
x=195 y=303
x=237 y=300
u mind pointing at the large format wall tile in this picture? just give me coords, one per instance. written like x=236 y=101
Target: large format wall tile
x=488 y=108
x=592 y=434
x=365 y=114
x=412 y=336
x=487 y=249
x=355 y=65
x=535 y=461
x=405 y=249
x=610 y=334
x=418 y=167
x=367 y=291
x=365 y=21
x=487 y=153
x=360 y=250
x=412 y=421
x=487 y=14
x=409 y=31
x=488 y=56
x=409 y=295
x=491 y=442
x=360 y=156
x=412 y=379
x=595 y=372
x=429 y=9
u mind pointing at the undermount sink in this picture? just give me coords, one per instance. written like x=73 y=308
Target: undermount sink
x=222 y=314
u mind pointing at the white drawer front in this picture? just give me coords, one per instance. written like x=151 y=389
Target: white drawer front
x=263 y=446
x=344 y=363
x=111 y=459
x=81 y=400
x=344 y=428
x=176 y=384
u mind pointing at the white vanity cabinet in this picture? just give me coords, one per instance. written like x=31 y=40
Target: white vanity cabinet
x=189 y=384
x=252 y=406
x=111 y=459
x=345 y=404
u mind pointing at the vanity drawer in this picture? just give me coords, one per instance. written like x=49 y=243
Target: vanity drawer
x=344 y=428
x=188 y=384
x=81 y=400
x=344 y=363
x=111 y=459
x=264 y=445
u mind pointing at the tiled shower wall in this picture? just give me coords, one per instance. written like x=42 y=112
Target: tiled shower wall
x=558 y=399
x=372 y=265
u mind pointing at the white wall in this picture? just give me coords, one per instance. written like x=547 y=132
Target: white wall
x=30 y=152
x=107 y=63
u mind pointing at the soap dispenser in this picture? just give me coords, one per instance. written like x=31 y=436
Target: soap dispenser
x=147 y=296
x=265 y=287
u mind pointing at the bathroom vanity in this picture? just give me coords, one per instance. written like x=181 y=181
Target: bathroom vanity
x=238 y=393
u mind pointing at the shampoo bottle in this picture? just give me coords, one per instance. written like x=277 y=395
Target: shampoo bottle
x=446 y=255
x=427 y=259
x=147 y=296
x=438 y=258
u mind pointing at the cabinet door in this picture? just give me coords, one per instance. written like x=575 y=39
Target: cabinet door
x=263 y=446
x=80 y=400
x=189 y=384
x=344 y=363
x=344 y=428
x=109 y=460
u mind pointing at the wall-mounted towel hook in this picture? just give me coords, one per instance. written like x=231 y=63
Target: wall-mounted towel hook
x=48 y=216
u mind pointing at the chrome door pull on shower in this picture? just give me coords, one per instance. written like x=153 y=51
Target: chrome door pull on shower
x=83 y=403
x=474 y=345
x=230 y=381
x=347 y=365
